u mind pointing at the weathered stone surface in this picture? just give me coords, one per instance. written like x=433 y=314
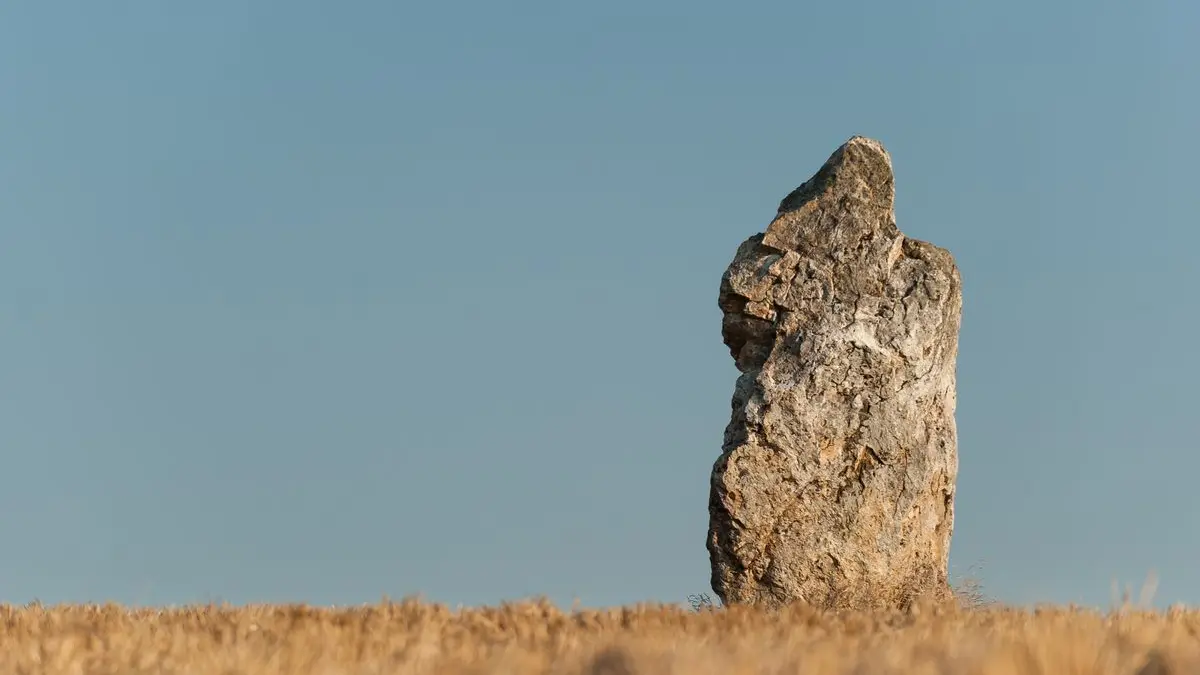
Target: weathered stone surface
x=835 y=485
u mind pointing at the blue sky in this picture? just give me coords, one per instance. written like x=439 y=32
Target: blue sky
x=326 y=301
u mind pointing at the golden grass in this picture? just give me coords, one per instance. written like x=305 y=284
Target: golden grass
x=536 y=637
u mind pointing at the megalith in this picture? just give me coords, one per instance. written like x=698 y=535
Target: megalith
x=835 y=483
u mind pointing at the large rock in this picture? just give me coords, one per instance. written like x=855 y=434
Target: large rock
x=835 y=484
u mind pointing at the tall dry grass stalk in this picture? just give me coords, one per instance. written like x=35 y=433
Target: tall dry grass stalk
x=536 y=637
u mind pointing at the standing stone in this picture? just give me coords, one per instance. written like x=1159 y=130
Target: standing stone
x=835 y=484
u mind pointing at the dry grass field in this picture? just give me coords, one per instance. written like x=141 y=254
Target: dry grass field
x=536 y=637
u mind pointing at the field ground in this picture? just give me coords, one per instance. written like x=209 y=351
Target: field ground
x=536 y=637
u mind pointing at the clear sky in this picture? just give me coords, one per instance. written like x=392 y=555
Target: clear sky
x=314 y=301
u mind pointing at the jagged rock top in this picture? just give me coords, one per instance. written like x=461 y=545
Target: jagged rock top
x=856 y=177
x=859 y=159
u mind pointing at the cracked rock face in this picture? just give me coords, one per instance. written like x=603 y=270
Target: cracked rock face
x=835 y=484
